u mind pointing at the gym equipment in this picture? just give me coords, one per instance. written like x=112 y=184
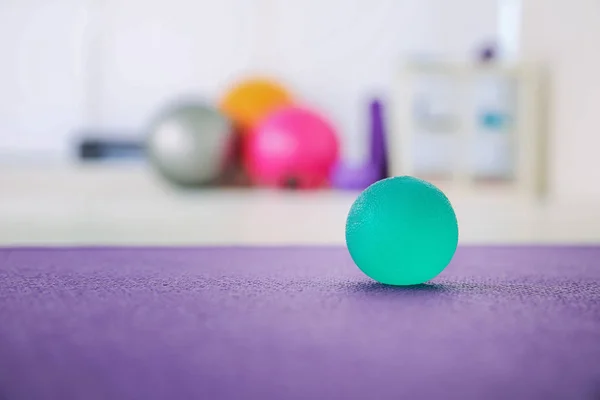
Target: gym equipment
x=251 y=100
x=190 y=143
x=402 y=231
x=294 y=147
x=351 y=177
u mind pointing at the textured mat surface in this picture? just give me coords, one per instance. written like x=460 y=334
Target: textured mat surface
x=296 y=323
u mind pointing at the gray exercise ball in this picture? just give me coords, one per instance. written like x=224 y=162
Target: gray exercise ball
x=190 y=144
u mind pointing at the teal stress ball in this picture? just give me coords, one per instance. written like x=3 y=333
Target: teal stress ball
x=402 y=231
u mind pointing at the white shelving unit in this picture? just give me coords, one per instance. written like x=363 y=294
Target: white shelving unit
x=470 y=127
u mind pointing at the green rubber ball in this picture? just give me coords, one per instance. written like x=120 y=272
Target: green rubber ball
x=402 y=231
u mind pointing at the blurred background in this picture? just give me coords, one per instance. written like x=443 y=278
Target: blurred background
x=259 y=121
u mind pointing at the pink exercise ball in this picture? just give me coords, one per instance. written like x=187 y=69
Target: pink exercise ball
x=292 y=147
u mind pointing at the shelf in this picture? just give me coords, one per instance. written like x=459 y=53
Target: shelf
x=129 y=206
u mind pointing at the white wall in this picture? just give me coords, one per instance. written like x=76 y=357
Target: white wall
x=108 y=64
x=565 y=35
x=152 y=51
x=41 y=74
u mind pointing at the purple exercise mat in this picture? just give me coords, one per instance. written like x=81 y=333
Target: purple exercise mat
x=296 y=323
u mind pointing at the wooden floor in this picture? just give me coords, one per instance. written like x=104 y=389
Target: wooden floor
x=62 y=205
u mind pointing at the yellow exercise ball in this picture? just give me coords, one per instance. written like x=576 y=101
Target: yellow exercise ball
x=250 y=100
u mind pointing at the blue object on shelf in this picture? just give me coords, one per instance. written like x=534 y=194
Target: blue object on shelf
x=92 y=149
x=494 y=121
